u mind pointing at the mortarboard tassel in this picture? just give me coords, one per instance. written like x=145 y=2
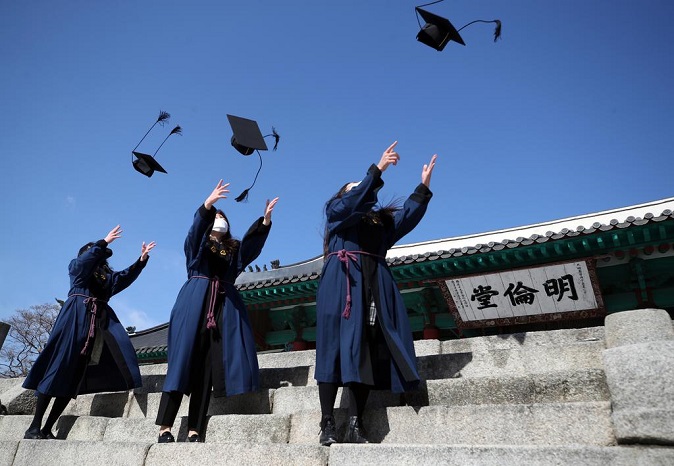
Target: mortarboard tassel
x=276 y=137
x=244 y=195
x=162 y=119
x=176 y=130
x=497 y=31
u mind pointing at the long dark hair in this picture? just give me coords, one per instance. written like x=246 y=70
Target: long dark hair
x=229 y=243
x=384 y=213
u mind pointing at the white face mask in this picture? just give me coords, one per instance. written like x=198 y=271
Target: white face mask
x=220 y=225
x=350 y=186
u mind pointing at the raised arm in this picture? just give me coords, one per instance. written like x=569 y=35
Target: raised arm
x=414 y=208
x=203 y=217
x=346 y=210
x=254 y=239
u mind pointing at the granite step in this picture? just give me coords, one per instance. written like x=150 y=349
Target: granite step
x=81 y=453
x=514 y=424
x=513 y=361
x=549 y=387
x=582 y=423
x=505 y=455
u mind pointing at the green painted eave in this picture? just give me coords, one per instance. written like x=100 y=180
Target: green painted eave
x=413 y=271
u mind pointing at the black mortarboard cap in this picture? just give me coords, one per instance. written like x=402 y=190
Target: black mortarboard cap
x=146 y=164
x=246 y=139
x=437 y=31
x=247 y=136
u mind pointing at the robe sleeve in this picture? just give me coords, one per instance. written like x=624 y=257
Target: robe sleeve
x=347 y=210
x=203 y=218
x=252 y=243
x=413 y=210
x=121 y=280
x=84 y=265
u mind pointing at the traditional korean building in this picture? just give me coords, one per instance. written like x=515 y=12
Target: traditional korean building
x=559 y=274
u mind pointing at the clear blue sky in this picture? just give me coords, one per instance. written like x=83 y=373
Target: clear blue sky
x=571 y=112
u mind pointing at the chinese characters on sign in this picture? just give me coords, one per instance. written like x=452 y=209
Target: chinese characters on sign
x=529 y=292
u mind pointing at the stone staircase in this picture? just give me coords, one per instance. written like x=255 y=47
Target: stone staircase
x=594 y=396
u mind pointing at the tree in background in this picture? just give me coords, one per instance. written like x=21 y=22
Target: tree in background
x=27 y=338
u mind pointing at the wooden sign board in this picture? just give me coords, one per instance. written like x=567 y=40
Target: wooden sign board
x=558 y=291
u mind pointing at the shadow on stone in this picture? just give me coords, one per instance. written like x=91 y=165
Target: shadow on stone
x=443 y=366
x=64 y=426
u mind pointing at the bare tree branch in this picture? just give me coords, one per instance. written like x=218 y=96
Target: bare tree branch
x=27 y=337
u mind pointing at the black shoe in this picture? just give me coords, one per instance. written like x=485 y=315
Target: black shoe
x=33 y=434
x=195 y=438
x=355 y=433
x=48 y=435
x=166 y=437
x=328 y=431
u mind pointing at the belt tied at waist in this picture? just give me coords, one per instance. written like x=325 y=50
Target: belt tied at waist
x=214 y=290
x=345 y=257
x=92 y=323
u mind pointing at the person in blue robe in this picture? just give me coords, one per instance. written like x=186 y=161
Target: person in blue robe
x=88 y=349
x=210 y=342
x=363 y=336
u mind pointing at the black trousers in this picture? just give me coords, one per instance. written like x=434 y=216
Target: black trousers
x=200 y=398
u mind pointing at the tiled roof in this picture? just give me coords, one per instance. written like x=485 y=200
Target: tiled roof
x=151 y=340
x=511 y=238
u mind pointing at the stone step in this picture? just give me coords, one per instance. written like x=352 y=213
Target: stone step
x=270 y=377
x=139 y=405
x=517 y=424
x=512 y=361
x=564 y=337
x=550 y=387
x=413 y=455
x=585 y=423
x=128 y=453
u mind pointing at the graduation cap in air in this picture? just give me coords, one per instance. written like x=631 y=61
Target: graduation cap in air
x=247 y=138
x=438 y=31
x=146 y=163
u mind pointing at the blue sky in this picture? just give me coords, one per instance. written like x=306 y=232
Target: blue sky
x=571 y=112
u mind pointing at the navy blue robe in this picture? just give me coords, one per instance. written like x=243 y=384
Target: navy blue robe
x=338 y=339
x=239 y=354
x=60 y=370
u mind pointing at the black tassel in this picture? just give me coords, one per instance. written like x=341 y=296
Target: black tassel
x=242 y=197
x=276 y=137
x=497 y=31
x=163 y=117
x=176 y=130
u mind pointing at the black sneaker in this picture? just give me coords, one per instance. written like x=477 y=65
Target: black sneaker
x=195 y=438
x=166 y=437
x=33 y=434
x=355 y=433
x=48 y=435
x=328 y=431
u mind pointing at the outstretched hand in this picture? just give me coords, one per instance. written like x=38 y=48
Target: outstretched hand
x=427 y=171
x=114 y=234
x=145 y=250
x=269 y=208
x=217 y=194
x=390 y=156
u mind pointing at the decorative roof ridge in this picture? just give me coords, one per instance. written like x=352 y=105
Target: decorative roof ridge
x=140 y=333
x=549 y=228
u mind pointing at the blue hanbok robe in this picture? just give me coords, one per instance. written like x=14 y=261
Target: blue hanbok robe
x=239 y=353
x=338 y=338
x=61 y=369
